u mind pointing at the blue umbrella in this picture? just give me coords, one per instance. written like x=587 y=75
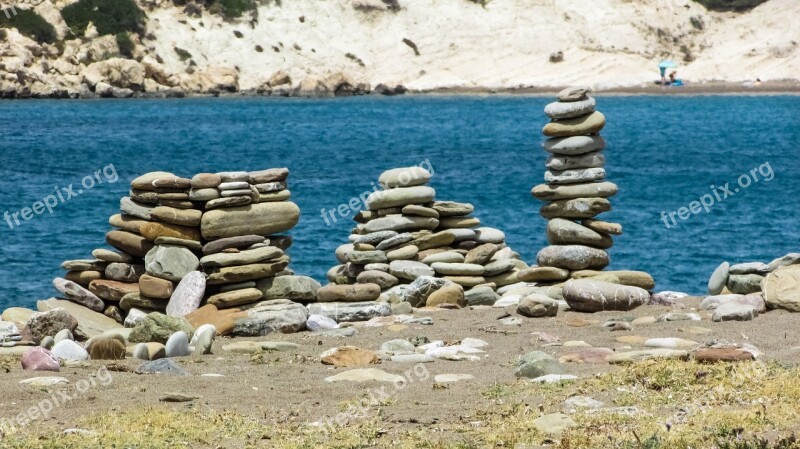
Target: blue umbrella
x=664 y=65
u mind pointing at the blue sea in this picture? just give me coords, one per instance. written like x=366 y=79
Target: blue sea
x=664 y=153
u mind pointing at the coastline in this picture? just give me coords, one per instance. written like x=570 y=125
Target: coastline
x=786 y=87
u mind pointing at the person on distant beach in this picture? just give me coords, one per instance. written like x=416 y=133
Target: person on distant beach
x=672 y=76
x=758 y=82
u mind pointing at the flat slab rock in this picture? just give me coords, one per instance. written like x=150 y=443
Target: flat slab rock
x=365 y=375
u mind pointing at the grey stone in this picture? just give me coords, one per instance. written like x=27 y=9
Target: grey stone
x=396 y=240
x=170 y=262
x=162 y=366
x=178 y=345
x=404 y=177
x=587 y=295
x=719 y=278
x=594 y=159
x=572 y=257
x=130 y=207
x=546 y=192
x=278 y=315
x=399 y=197
x=537 y=306
x=536 y=364
x=561 y=110
x=732 y=311
x=78 y=294
x=575 y=93
x=203 y=339
x=244 y=257
x=398 y=223
x=574 y=176
x=567 y=232
x=354 y=311
x=744 y=284
x=70 y=351
x=574 y=145
x=124 y=272
x=480 y=296
x=375 y=238
x=295 y=288
x=408 y=269
x=187 y=295
x=750 y=268
x=575 y=208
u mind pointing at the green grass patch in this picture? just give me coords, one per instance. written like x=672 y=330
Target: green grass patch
x=108 y=16
x=730 y=5
x=29 y=24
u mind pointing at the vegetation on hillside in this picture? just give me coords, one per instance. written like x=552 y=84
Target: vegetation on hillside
x=108 y=16
x=730 y=5
x=29 y=24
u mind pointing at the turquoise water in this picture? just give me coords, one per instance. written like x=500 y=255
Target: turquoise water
x=663 y=152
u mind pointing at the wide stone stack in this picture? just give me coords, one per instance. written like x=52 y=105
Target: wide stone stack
x=413 y=251
x=575 y=190
x=181 y=242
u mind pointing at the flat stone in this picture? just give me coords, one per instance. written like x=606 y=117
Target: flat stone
x=366 y=257
x=575 y=93
x=410 y=270
x=365 y=375
x=715 y=355
x=44 y=381
x=398 y=223
x=481 y=296
x=745 y=284
x=112 y=290
x=595 y=356
x=554 y=378
x=350 y=311
x=576 y=208
x=575 y=145
x=238 y=242
x=587 y=124
x=129 y=243
x=750 y=268
x=585 y=295
x=258 y=219
x=279 y=315
x=567 y=232
x=574 y=176
x=546 y=192
x=560 y=162
x=154 y=287
x=670 y=343
x=404 y=177
x=78 y=294
x=348 y=293
x=625 y=277
x=347 y=356
x=223 y=321
x=452 y=208
x=537 y=306
x=269 y=175
x=450 y=378
x=134 y=209
x=162 y=366
x=543 y=274
x=731 y=311
x=561 y=110
x=553 y=424
x=244 y=273
x=637 y=356
x=458 y=269
x=572 y=257
x=153 y=231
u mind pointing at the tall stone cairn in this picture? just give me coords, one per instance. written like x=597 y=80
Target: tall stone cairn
x=575 y=191
x=180 y=243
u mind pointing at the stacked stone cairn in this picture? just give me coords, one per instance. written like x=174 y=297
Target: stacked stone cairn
x=575 y=192
x=181 y=243
x=410 y=250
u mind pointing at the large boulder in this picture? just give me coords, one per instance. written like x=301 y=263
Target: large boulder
x=782 y=288
x=588 y=295
x=118 y=72
x=212 y=80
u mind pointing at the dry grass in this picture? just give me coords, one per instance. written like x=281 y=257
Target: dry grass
x=680 y=405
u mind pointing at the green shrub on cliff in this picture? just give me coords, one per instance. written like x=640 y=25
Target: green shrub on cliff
x=108 y=16
x=232 y=9
x=730 y=5
x=29 y=24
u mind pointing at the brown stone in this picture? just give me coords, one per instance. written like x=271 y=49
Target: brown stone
x=171 y=182
x=129 y=243
x=543 y=274
x=348 y=293
x=714 y=355
x=604 y=227
x=154 y=287
x=223 y=320
x=206 y=181
x=127 y=223
x=140 y=301
x=449 y=294
x=112 y=290
x=115 y=313
x=346 y=356
x=152 y=231
x=269 y=175
x=83 y=278
x=106 y=348
x=145 y=182
x=235 y=298
x=481 y=254
x=178 y=217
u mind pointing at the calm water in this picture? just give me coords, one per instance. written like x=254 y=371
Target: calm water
x=663 y=153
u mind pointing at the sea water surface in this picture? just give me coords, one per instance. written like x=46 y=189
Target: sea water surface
x=663 y=152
